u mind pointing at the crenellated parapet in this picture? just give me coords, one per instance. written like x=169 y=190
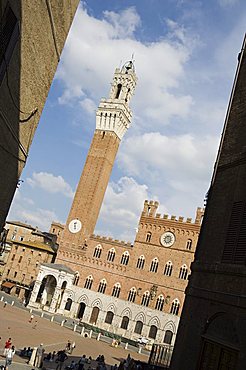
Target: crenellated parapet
x=106 y=239
x=150 y=210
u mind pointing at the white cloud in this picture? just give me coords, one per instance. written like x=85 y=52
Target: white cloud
x=124 y=23
x=183 y=156
x=23 y=209
x=122 y=207
x=50 y=183
x=88 y=105
x=95 y=47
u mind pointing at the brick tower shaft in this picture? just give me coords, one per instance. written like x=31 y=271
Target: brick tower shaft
x=113 y=119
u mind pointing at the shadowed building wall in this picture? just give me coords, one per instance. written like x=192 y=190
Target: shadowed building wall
x=212 y=330
x=32 y=36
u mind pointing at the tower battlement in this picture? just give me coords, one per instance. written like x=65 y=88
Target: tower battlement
x=150 y=208
x=102 y=239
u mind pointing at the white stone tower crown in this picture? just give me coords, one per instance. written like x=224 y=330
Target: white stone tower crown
x=114 y=114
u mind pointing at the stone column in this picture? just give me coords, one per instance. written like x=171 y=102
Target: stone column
x=34 y=294
x=53 y=304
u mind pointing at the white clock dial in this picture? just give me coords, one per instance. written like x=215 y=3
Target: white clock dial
x=74 y=226
x=167 y=239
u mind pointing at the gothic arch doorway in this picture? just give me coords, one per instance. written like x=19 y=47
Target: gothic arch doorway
x=81 y=310
x=94 y=315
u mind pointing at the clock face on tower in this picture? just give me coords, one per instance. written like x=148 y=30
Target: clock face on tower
x=74 y=226
x=167 y=239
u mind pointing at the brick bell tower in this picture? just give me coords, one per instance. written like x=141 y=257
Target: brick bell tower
x=113 y=118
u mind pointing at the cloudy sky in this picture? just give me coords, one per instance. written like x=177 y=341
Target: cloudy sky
x=185 y=55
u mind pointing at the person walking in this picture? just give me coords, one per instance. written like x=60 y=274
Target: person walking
x=9 y=357
x=61 y=359
x=7 y=346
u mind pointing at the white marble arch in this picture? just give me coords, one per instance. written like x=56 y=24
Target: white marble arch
x=97 y=303
x=155 y=321
x=111 y=307
x=127 y=312
x=83 y=299
x=170 y=326
x=140 y=317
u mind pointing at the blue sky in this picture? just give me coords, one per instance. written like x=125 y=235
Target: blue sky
x=185 y=57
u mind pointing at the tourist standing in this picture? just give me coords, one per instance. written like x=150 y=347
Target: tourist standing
x=61 y=359
x=9 y=357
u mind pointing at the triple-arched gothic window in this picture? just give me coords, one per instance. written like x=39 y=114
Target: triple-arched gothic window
x=154 y=265
x=183 y=272
x=111 y=255
x=102 y=286
x=140 y=262
x=160 y=303
x=88 y=282
x=125 y=258
x=97 y=251
x=168 y=268
x=175 y=307
x=132 y=295
x=145 y=299
x=116 y=290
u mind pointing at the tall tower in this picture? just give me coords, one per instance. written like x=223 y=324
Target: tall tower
x=113 y=118
x=211 y=333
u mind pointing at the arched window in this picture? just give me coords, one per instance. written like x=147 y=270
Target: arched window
x=124 y=322
x=116 y=290
x=88 y=282
x=168 y=337
x=152 y=332
x=145 y=299
x=154 y=265
x=102 y=286
x=138 y=327
x=168 y=268
x=132 y=295
x=175 y=307
x=117 y=95
x=97 y=251
x=68 y=304
x=140 y=262
x=76 y=278
x=111 y=255
x=183 y=272
x=160 y=303
x=148 y=237
x=189 y=244
x=125 y=258
x=109 y=317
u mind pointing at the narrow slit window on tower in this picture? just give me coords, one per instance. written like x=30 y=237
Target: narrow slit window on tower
x=118 y=91
x=148 y=237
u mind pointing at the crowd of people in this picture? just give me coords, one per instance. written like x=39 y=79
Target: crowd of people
x=39 y=359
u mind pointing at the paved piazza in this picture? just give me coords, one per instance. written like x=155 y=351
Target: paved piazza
x=14 y=323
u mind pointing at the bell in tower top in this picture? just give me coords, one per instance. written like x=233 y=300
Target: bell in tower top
x=128 y=66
